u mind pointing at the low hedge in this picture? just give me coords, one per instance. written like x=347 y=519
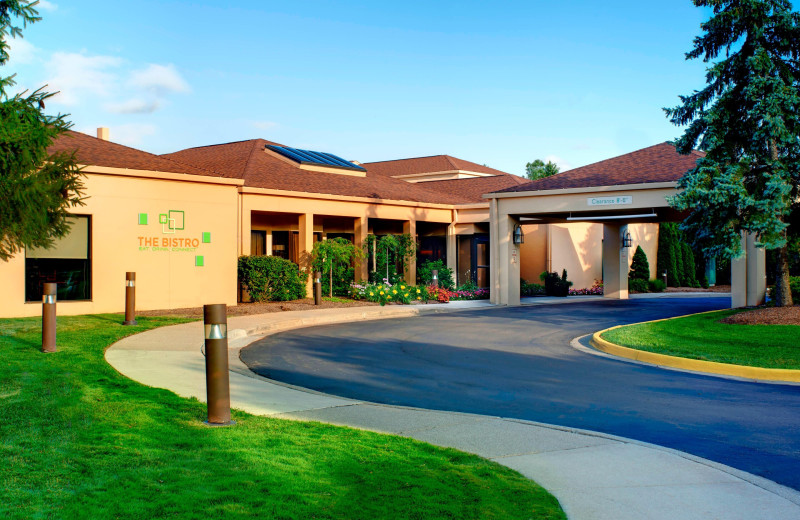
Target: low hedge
x=271 y=278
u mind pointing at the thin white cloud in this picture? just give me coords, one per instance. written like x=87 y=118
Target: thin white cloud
x=74 y=74
x=264 y=125
x=46 y=6
x=131 y=134
x=134 y=106
x=159 y=79
x=562 y=164
x=20 y=52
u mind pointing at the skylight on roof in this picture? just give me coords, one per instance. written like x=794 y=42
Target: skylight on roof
x=315 y=158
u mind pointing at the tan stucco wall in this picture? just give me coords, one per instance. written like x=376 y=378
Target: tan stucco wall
x=533 y=252
x=165 y=279
x=578 y=248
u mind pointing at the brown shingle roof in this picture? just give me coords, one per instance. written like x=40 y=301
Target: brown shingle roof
x=434 y=163
x=658 y=163
x=247 y=160
x=92 y=151
x=474 y=189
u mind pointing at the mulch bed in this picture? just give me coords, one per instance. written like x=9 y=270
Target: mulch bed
x=766 y=316
x=244 y=309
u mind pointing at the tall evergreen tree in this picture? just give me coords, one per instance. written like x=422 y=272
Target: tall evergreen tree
x=36 y=189
x=666 y=258
x=747 y=119
x=689 y=276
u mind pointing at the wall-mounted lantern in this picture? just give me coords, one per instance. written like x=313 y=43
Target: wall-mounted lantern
x=519 y=237
x=627 y=241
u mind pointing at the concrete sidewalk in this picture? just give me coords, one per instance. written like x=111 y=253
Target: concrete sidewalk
x=594 y=476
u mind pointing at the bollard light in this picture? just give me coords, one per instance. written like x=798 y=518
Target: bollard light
x=318 y=288
x=218 y=393
x=665 y=277
x=49 y=317
x=130 y=299
x=435 y=277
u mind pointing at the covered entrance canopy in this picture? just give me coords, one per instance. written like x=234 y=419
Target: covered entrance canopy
x=629 y=189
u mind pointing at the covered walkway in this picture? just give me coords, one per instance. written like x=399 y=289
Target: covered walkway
x=629 y=189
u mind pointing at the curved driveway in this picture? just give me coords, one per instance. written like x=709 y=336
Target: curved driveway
x=517 y=362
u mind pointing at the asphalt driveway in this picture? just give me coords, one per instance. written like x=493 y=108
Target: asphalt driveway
x=517 y=362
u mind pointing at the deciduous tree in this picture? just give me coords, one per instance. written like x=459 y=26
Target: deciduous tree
x=538 y=169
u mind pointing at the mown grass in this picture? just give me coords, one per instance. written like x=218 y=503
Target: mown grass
x=79 y=440
x=703 y=337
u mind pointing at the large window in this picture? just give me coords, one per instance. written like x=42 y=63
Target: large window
x=67 y=263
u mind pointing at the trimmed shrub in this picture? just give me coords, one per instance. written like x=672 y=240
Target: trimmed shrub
x=794 y=285
x=271 y=278
x=445 y=274
x=656 y=285
x=530 y=289
x=555 y=285
x=640 y=267
x=638 y=285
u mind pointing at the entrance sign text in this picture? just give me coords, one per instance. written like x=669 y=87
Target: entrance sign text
x=609 y=201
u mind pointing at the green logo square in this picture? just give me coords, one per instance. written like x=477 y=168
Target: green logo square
x=177 y=220
x=198 y=261
x=206 y=237
x=162 y=218
x=142 y=219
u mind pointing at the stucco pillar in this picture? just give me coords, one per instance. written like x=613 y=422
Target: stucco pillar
x=451 y=246
x=739 y=278
x=305 y=225
x=268 y=243
x=756 y=272
x=615 y=262
x=505 y=263
x=360 y=232
x=410 y=228
x=494 y=254
x=244 y=226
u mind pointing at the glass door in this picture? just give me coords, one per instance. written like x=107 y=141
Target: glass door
x=480 y=260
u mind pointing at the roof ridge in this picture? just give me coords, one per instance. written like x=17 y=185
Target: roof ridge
x=149 y=153
x=224 y=144
x=407 y=159
x=450 y=160
x=250 y=158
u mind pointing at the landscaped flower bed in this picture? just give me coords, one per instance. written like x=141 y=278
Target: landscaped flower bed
x=475 y=294
x=402 y=293
x=386 y=292
x=594 y=290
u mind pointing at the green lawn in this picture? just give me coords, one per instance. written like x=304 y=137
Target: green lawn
x=78 y=440
x=703 y=337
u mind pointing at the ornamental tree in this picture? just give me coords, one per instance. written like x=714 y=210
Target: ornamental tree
x=333 y=257
x=747 y=120
x=36 y=188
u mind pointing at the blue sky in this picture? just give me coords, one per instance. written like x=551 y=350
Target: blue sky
x=497 y=83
